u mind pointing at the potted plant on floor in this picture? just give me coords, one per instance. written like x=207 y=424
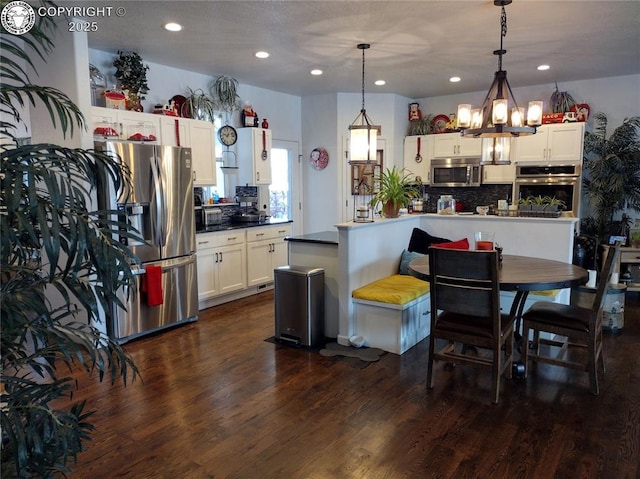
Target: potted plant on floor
x=612 y=174
x=59 y=272
x=396 y=191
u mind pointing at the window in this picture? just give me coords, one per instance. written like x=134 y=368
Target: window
x=279 y=189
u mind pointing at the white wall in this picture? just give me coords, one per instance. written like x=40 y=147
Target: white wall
x=320 y=195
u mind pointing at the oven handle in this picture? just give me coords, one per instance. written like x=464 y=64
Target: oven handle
x=546 y=180
x=468 y=174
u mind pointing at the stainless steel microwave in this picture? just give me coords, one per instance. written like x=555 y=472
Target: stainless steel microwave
x=456 y=172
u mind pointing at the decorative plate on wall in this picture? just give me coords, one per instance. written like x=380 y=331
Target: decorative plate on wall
x=319 y=158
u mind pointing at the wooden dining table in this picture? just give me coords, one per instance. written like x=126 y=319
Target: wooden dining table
x=522 y=274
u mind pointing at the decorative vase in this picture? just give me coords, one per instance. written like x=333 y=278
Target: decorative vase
x=133 y=101
x=390 y=209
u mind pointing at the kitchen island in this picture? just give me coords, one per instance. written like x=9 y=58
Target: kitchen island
x=320 y=250
x=370 y=251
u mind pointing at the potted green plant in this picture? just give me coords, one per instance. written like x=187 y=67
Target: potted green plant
x=59 y=272
x=131 y=72
x=396 y=191
x=224 y=91
x=611 y=181
x=199 y=105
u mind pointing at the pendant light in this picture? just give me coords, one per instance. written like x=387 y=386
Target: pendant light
x=362 y=132
x=499 y=118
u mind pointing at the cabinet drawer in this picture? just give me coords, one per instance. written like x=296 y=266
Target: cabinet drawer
x=205 y=241
x=230 y=237
x=268 y=232
x=219 y=239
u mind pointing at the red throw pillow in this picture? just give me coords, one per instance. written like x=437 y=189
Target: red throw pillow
x=460 y=244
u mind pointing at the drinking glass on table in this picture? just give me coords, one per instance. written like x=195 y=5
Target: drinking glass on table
x=484 y=240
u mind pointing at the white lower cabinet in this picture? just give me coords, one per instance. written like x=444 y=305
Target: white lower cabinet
x=266 y=250
x=222 y=263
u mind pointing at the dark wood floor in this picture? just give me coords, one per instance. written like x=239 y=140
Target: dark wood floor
x=217 y=401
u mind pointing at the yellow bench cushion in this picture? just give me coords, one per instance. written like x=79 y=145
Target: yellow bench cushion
x=548 y=292
x=396 y=289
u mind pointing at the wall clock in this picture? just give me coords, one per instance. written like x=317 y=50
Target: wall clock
x=319 y=158
x=228 y=135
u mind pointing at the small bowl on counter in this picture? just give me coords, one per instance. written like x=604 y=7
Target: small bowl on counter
x=482 y=210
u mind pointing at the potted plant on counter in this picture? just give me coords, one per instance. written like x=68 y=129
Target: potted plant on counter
x=396 y=191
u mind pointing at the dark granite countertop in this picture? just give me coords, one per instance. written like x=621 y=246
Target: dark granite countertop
x=323 y=237
x=236 y=226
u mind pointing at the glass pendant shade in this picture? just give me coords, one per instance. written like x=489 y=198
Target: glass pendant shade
x=363 y=142
x=496 y=151
x=500 y=109
x=476 y=118
x=534 y=113
x=464 y=115
x=517 y=117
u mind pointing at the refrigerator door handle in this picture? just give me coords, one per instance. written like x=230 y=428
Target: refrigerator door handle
x=159 y=194
x=168 y=265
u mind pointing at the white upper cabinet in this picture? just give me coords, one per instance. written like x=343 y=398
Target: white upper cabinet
x=453 y=145
x=167 y=130
x=416 y=156
x=555 y=143
x=500 y=174
x=254 y=156
x=112 y=124
x=203 y=152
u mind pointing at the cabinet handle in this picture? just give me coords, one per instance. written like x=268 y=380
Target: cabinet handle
x=257 y=176
x=194 y=175
x=221 y=257
x=217 y=257
x=259 y=234
x=282 y=231
x=232 y=238
x=203 y=242
x=549 y=150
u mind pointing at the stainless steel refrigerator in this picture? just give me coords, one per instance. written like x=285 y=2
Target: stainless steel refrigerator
x=160 y=205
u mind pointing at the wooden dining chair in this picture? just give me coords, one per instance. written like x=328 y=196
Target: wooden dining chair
x=579 y=326
x=465 y=312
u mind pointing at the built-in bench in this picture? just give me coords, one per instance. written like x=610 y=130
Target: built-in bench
x=392 y=313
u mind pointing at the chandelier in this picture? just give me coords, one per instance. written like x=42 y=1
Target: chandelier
x=362 y=132
x=499 y=118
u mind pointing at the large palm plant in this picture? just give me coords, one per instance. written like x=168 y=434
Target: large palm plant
x=612 y=165
x=60 y=268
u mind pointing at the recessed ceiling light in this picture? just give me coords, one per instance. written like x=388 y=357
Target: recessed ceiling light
x=316 y=72
x=543 y=67
x=380 y=82
x=262 y=54
x=173 y=27
x=454 y=79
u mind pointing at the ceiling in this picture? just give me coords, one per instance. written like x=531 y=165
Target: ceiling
x=416 y=46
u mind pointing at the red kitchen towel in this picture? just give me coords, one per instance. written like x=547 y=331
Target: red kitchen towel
x=152 y=285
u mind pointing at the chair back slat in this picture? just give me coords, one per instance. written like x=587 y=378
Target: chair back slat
x=465 y=282
x=605 y=277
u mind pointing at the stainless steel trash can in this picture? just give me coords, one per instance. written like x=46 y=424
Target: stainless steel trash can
x=299 y=304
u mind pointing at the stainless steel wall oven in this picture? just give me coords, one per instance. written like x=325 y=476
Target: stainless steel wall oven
x=560 y=181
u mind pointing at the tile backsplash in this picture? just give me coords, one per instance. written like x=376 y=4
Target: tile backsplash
x=470 y=197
